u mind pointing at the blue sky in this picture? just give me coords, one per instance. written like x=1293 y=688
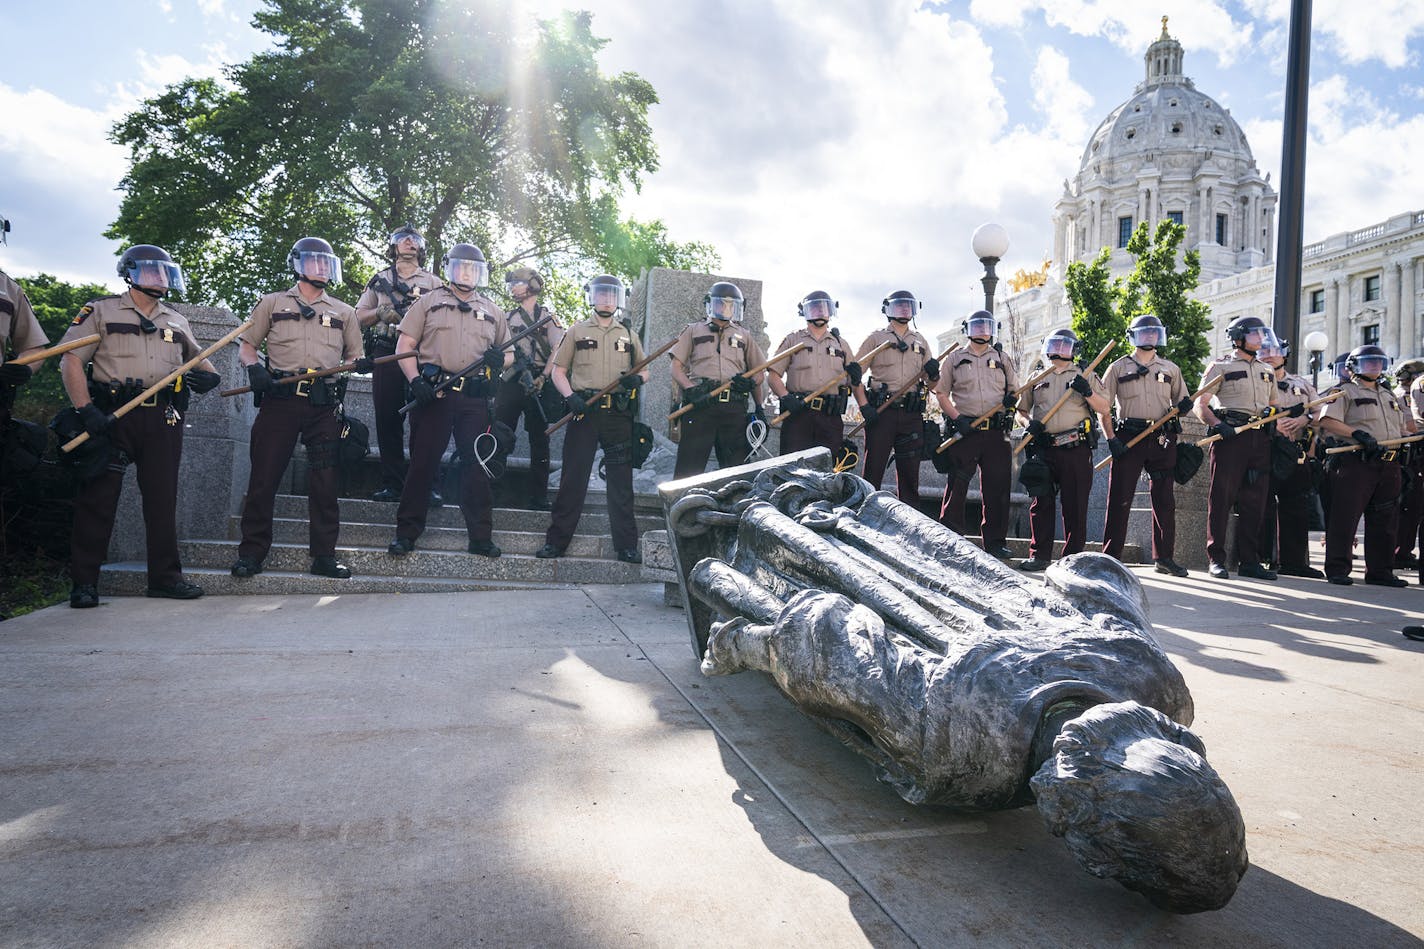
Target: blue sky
x=846 y=145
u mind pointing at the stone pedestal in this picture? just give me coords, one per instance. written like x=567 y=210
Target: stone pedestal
x=1191 y=504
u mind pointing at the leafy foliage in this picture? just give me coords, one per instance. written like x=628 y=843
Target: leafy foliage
x=449 y=115
x=55 y=303
x=1095 y=296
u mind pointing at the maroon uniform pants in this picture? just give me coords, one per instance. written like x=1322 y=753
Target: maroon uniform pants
x=989 y=453
x=387 y=396
x=900 y=431
x=613 y=430
x=144 y=437
x=1158 y=461
x=721 y=426
x=280 y=422
x=430 y=429
x=1285 y=531
x=811 y=428
x=511 y=403
x=1240 y=479
x=1371 y=489
x=1072 y=468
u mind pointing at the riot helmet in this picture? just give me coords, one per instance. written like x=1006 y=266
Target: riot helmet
x=817 y=308
x=1061 y=344
x=314 y=262
x=1147 y=332
x=406 y=233
x=150 y=270
x=465 y=267
x=980 y=326
x=1250 y=333
x=1367 y=362
x=605 y=294
x=724 y=301
x=900 y=306
x=521 y=283
x=1409 y=370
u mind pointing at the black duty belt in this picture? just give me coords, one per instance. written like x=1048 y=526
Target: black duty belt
x=1235 y=416
x=474 y=385
x=612 y=402
x=301 y=389
x=827 y=403
x=109 y=395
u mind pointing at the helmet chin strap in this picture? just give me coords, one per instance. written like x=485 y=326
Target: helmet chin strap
x=148 y=291
x=817 y=322
x=319 y=284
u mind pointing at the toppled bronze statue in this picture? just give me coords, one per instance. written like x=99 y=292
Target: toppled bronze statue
x=966 y=684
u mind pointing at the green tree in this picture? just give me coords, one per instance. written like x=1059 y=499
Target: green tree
x=451 y=115
x=1156 y=285
x=1095 y=296
x=55 y=304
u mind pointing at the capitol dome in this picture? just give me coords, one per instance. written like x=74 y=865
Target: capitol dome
x=1168 y=151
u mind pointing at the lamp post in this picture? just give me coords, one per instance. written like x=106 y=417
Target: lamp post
x=1316 y=343
x=989 y=243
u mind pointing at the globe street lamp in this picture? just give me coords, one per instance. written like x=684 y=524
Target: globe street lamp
x=990 y=243
x=1316 y=343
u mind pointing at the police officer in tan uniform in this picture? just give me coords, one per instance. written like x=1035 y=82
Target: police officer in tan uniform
x=1065 y=444
x=596 y=352
x=1285 y=531
x=974 y=381
x=452 y=328
x=706 y=355
x=897 y=425
x=1141 y=388
x=1407 y=376
x=1365 y=482
x=520 y=387
x=304 y=329
x=817 y=421
x=384 y=302
x=1240 y=464
x=141 y=340
x=20 y=332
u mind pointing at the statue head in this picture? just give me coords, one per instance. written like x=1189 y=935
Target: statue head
x=1131 y=793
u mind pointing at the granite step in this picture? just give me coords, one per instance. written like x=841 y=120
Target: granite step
x=425 y=563
x=292 y=530
x=360 y=511
x=130 y=578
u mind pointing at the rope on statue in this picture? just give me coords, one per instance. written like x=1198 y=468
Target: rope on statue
x=756 y=438
x=482 y=459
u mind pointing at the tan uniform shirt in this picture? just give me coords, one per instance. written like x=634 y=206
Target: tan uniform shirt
x=18 y=326
x=977 y=382
x=1037 y=401
x=420 y=282
x=124 y=350
x=1416 y=402
x=1376 y=410
x=552 y=332
x=1150 y=395
x=1296 y=390
x=1249 y=385
x=450 y=337
x=295 y=341
x=890 y=366
x=811 y=368
x=708 y=354
x=595 y=356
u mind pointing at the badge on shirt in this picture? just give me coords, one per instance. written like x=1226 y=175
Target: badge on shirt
x=736 y=342
x=916 y=348
x=1163 y=377
x=622 y=345
x=168 y=335
x=326 y=320
x=994 y=364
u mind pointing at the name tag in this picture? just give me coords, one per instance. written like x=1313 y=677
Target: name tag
x=699 y=340
x=587 y=342
x=122 y=328
x=285 y=315
x=1367 y=402
x=1234 y=376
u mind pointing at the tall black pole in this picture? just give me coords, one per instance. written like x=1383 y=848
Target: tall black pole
x=990 y=280
x=1286 y=314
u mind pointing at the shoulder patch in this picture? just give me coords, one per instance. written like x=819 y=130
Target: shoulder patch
x=82 y=315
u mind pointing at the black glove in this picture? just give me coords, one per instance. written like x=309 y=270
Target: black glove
x=932 y=369
x=698 y=396
x=854 y=373
x=902 y=346
x=631 y=383
x=1010 y=400
x=793 y=402
x=1081 y=385
x=1370 y=448
x=1226 y=430
x=869 y=413
x=1297 y=410
x=1035 y=428
x=200 y=380
x=421 y=390
x=741 y=385
x=1185 y=406
x=1116 y=446
x=577 y=406
x=259 y=378
x=96 y=421
x=757 y=413
x=963 y=424
x=13 y=374
x=363 y=365
x=493 y=358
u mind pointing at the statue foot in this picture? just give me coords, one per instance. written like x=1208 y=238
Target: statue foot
x=726 y=647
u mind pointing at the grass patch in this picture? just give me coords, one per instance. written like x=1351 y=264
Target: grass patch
x=31 y=583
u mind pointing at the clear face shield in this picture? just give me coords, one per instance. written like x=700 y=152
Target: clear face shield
x=725 y=308
x=1148 y=337
x=902 y=310
x=817 y=312
x=605 y=299
x=1370 y=366
x=1272 y=353
x=317 y=267
x=161 y=275
x=1259 y=337
x=518 y=290
x=465 y=273
x=407 y=243
x=981 y=329
x=1058 y=347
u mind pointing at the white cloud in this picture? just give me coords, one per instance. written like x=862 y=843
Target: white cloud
x=1382 y=31
x=47 y=138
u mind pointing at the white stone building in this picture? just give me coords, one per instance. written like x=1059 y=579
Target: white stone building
x=1171 y=151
